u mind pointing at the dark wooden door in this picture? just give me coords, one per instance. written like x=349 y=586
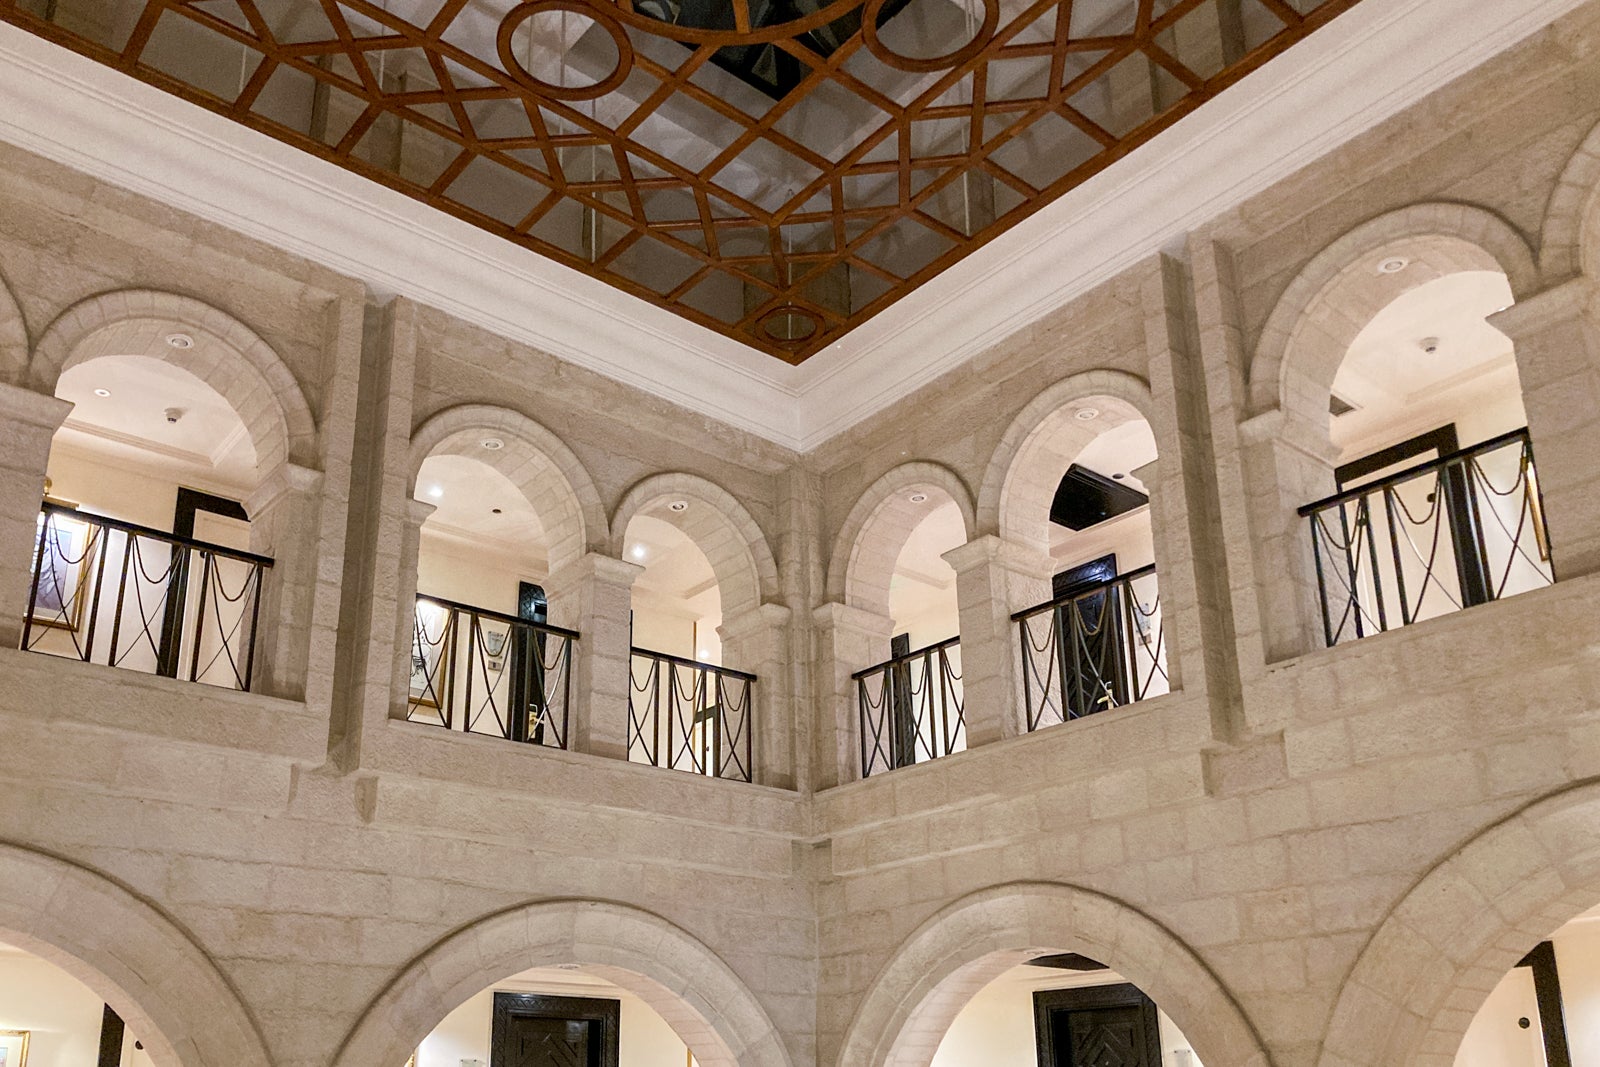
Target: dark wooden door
x=1101 y=1026
x=532 y=1030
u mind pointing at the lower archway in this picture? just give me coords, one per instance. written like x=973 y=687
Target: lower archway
x=128 y=954
x=941 y=967
x=667 y=969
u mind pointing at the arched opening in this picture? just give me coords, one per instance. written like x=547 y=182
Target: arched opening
x=501 y=516
x=911 y=702
x=1079 y=487
x=50 y=1018
x=146 y=557
x=1056 y=1010
x=691 y=695
x=1545 y=1011
x=1434 y=499
x=567 y=1014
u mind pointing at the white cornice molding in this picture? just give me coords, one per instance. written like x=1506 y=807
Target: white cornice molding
x=1363 y=68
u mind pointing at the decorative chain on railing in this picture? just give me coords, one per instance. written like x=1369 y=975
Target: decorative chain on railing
x=690 y=716
x=1093 y=650
x=482 y=672
x=173 y=606
x=1448 y=534
x=911 y=708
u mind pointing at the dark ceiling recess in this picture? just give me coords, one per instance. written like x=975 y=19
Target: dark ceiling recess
x=1085 y=498
x=1068 y=961
x=776 y=170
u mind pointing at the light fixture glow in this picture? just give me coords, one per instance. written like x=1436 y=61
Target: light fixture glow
x=102 y=392
x=638 y=552
x=436 y=491
x=679 y=506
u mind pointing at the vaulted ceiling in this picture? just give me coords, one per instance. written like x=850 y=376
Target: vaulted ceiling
x=777 y=170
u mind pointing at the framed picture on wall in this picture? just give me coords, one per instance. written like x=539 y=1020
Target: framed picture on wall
x=430 y=654
x=494 y=646
x=13 y=1048
x=63 y=571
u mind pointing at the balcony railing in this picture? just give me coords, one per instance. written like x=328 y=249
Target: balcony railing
x=1444 y=535
x=1093 y=650
x=483 y=672
x=690 y=716
x=115 y=593
x=911 y=708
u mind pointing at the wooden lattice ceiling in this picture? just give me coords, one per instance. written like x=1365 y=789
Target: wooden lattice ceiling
x=777 y=170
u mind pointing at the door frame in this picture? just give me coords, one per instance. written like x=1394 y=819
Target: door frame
x=509 y=1006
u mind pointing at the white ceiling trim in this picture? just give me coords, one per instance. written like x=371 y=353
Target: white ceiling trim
x=1353 y=74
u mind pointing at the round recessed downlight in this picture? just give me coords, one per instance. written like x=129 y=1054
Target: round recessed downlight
x=638 y=552
x=102 y=392
x=436 y=491
x=1393 y=265
x=678 y=506
x=1086 y=414
x=919 y=498
x=493 y=444
x=180 y=340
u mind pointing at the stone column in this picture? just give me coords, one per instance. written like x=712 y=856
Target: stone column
x=995 y=578
x=1557 y=339
x=405 y=591
x=848 y=640
x=28 y=423
x=594 y=596
x=284 y=512
x=1287 y=465
x=758 y=642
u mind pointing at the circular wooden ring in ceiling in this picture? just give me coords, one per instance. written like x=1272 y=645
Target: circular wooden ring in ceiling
x=524 y=12
x=788 y=324
x=920 y=65
x=778 y=31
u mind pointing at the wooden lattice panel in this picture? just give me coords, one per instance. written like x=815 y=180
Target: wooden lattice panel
x=777 y=170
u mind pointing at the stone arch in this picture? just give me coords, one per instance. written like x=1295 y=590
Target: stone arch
x=13 y=336
x=539 y=463
x=747 y=572
x=1569 y=241
x=135 y=958
x=878 y=526
x=1340 y=290
x=963 y=948
x=227 y=355
x=706 y=1003
x=1450 y=939
x=1042 y=441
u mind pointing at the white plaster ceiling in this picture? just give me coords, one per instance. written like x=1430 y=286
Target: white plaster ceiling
x=677 y=576
x=1399 y=389
x=923 y=584
x=481 y=509
x=1361 y=69
x=208 y=442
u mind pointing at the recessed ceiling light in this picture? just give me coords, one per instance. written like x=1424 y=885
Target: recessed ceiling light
x=1429 y=345
x=180 y=340
x=496 y=511
x=1086 y=414
x=102 y=392
x=436 y=491
x=493 y=444
x=919 y=498
x=1393 y=265
x=678 y=505
x=638 y=552
x=1119 y=477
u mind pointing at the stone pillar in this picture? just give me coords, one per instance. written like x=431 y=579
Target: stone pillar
x=848 y=640
x=28 y=423
x=406 y=590
x=594 y=596
x=1287 y=465
x=758 y=642
x=284 y=516
x=995 y=578
x=1557 y=339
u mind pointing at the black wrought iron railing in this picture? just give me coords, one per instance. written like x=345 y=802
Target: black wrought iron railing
x=484 y=672
x=1447 y=534
x=123 y=595
x=690 y=716
x=911 y=708
x=1094 y=649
